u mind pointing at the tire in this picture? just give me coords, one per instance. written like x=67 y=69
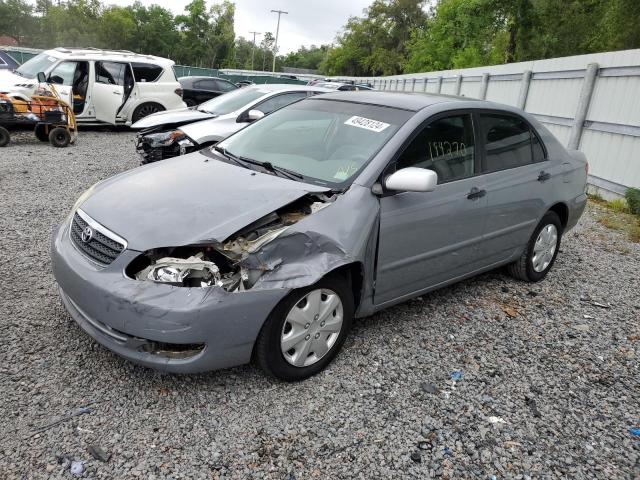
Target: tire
x=145 y=110
x=5 y=137
x=269 y=354
x=41 y=133
x=536 y=261
x=59 y=137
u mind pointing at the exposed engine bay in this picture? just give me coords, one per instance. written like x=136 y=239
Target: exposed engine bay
x=222 y=264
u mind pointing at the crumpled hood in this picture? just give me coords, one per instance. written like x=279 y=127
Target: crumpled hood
x=178 y=116
x=187 y=200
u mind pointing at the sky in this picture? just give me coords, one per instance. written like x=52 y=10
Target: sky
x=309 y=22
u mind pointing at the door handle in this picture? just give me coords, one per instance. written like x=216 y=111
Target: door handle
x=116 y=92
x=476 y=193
x=544 y=176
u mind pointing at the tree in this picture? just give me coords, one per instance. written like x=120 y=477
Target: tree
x=459 y=33
x=376 y=44
x=16 y=18
x=221 y=40
x=308 y=58
x=266 y=51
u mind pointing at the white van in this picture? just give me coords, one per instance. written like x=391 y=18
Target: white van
x=107 y=86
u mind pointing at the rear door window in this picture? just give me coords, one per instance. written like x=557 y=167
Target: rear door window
x=509 y=142
x=112 y=73
x=207 y=84
x=146 y=72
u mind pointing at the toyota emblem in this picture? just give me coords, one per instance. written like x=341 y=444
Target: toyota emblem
x=87 y=234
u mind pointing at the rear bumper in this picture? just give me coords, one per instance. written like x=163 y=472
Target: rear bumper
x=576 y=209
x=173 y=329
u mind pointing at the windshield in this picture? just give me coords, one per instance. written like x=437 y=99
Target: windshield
x=327 y=142
x=37 y=64
x=232 y=101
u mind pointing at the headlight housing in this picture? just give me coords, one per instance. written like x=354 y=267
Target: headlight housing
x=164 y=139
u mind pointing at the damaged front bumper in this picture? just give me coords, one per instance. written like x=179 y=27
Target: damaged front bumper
x=165 y=327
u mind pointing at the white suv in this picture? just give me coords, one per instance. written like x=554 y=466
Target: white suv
x=114 y=87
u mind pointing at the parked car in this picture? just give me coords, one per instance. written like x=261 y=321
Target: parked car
x=169 y=134
x=7 y=62
x=267 y=245
x=197 y=90
x=114 y=87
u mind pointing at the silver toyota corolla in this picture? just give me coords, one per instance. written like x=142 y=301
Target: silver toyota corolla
x=267 y=245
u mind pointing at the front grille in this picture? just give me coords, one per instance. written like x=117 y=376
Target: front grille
x=99 y=247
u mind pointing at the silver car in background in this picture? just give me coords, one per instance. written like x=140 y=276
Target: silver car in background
x=177 y=132
x=267 y=245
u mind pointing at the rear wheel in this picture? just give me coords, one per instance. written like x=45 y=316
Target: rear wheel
x=306 y=330
x=4 y=137
x=541 y=252
x=145 y=110
x=59 y=137
x=42 y=133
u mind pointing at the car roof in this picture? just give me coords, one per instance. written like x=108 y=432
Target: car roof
x=113 y=55
x=402 y=100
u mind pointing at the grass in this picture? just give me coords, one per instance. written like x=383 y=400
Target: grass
x=618 y=205
x=615 y=216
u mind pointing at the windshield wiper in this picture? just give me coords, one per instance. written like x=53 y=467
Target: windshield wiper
x=266 y=165
x=276 y=169
x=240 y=161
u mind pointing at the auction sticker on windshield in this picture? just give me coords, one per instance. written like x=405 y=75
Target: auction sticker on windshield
x=366 y=123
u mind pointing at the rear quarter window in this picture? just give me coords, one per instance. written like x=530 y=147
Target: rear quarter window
x=146 y=72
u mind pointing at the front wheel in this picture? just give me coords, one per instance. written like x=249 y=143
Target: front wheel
x=541 y=252
x=306 y=330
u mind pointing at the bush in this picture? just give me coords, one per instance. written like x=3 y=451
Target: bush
x=633 y=200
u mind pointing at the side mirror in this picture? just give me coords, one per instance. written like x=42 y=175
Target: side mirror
x=412 y=179
x=42 y=78
x=254 y=115
x=56 y=80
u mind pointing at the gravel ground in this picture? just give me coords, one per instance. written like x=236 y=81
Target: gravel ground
x=549 y=381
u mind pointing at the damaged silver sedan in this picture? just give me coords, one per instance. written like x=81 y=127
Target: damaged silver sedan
x=267 y=245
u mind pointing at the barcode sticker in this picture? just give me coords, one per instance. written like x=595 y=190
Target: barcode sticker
x=366 y=123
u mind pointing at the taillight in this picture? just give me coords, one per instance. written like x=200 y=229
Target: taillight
x=179 y=92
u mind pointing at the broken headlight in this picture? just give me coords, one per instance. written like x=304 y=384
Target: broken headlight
x=192 y=272
x=164 y=139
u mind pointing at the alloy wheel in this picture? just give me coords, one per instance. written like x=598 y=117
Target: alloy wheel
x=544 y=248
x=312 y=327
